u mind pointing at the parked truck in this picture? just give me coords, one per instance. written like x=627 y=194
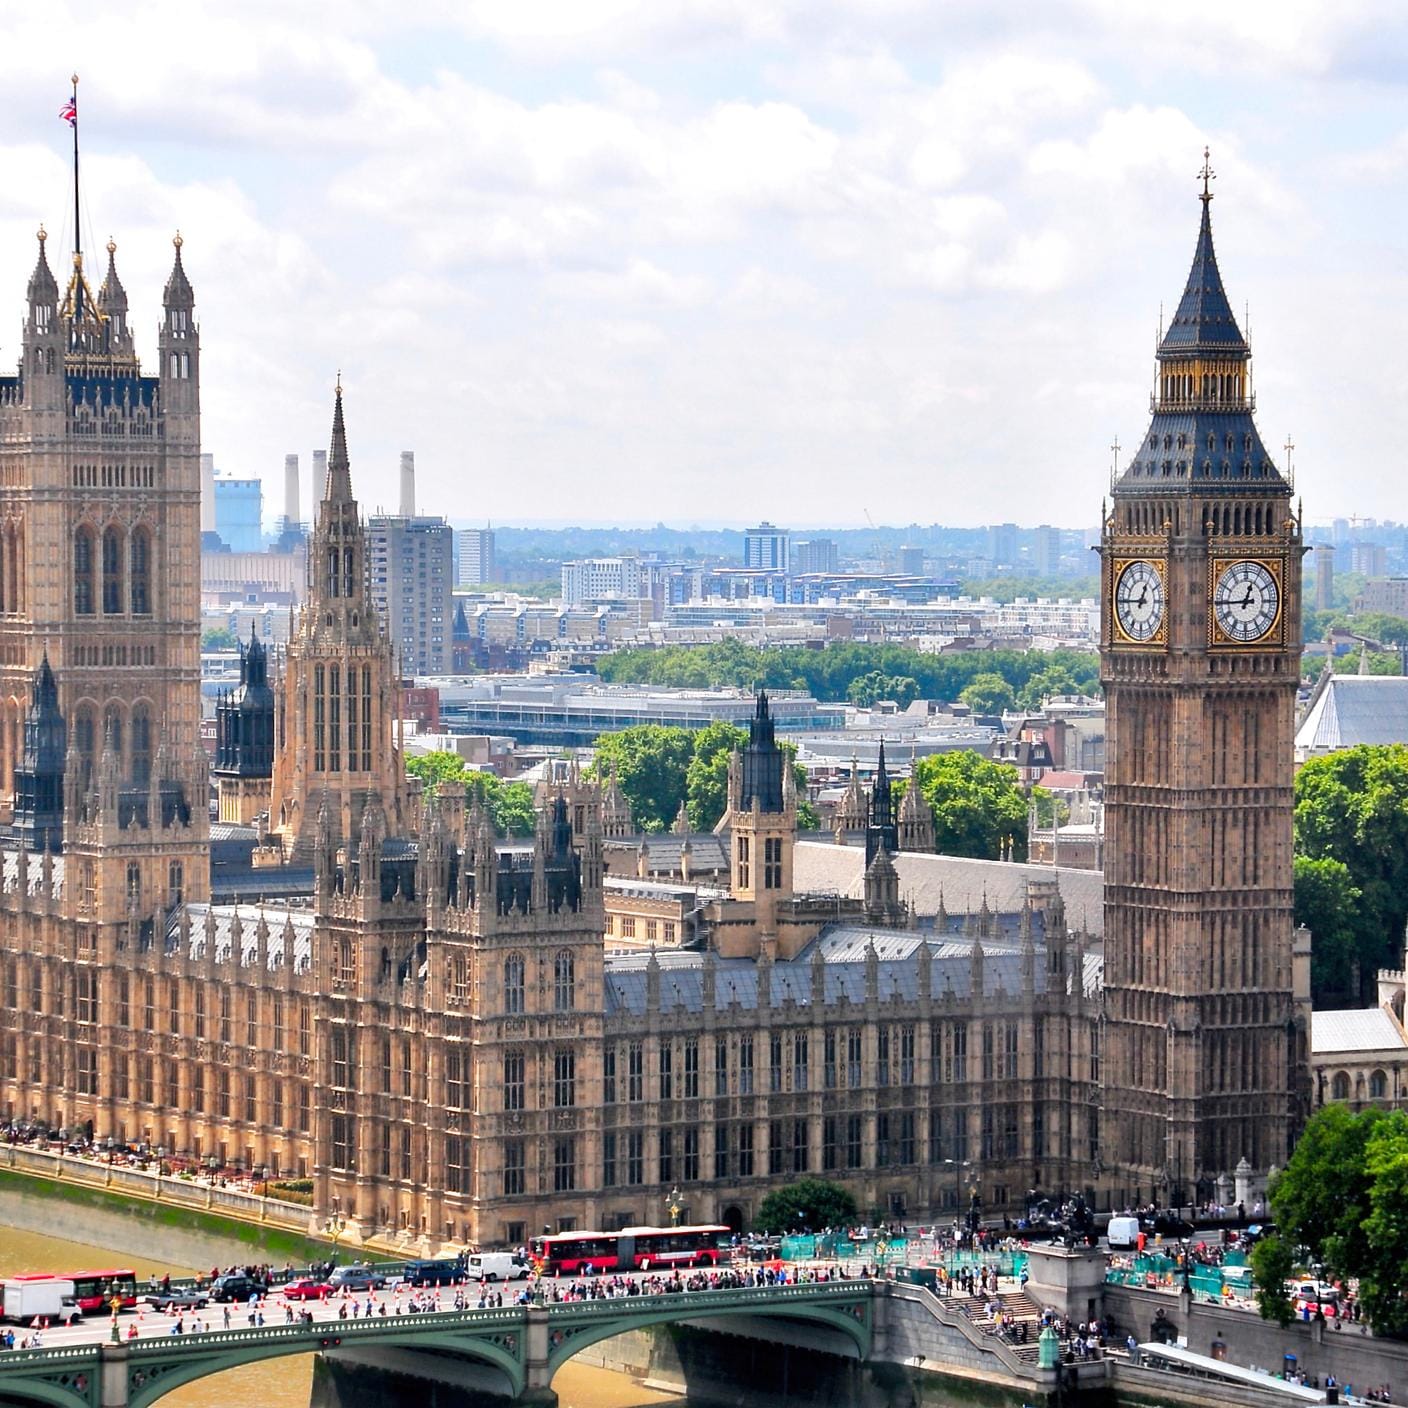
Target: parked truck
x=30 y=1298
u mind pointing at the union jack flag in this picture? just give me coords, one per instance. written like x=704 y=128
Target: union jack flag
x=69 y=112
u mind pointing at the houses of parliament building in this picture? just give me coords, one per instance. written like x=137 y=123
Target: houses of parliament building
x=435 y=1028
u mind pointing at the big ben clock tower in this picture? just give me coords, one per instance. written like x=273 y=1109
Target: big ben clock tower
x=1199 y=656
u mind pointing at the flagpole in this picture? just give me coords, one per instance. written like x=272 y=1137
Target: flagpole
x=78 y=242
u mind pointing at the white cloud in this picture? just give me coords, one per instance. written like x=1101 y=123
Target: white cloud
x=848 y=252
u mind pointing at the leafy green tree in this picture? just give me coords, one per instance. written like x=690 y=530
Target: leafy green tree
x=977 y=804
x=1321 y=1199
x=988 y=694
x=1381 y=662
x=1055 y=679
x=1352 y=807
x=1381 y=1285
x=869 y=689
x=1050 y=809
x=651 y=763
x=1272 y=1266
x=808 y=1205
x=218 y=638
x=1328 y=904
x=437 y=768
x=510 y=805
x=706 y=779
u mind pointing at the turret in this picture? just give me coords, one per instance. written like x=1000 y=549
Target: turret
x=39 y=778
x=179 y=343
x=112 y=304
x=42 y=362
x=880 y=831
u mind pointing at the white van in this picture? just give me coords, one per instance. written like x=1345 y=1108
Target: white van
x=495 y=1266
x=1123 y=1234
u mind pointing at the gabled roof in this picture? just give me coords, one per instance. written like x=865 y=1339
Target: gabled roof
x=1354 y=1029
x=1355 y=709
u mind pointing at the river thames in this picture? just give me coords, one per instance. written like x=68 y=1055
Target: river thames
x=280 y=1383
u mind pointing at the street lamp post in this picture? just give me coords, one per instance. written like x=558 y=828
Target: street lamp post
x=674 y=1206
x=958 y=1166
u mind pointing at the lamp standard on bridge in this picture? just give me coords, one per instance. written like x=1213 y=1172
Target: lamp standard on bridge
x=958 y=1165
x=674 y=1205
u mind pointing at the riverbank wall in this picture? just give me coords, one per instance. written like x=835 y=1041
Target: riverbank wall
x=181 y=1236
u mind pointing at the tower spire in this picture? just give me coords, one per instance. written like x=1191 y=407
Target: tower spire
x=339 y=482
x=1207 y=175
x=71 y=113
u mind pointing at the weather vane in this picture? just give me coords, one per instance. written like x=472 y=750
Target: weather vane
x=1207 y=174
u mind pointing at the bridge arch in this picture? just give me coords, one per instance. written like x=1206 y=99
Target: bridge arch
x=150 y=1378
x=849 y=1311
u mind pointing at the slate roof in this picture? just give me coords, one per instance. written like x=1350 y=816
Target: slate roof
x=1203 y=320
x=706 y=851
x=1355 y=1029
x=10 y=868
x=820 y=868
x=290 y=934
x=1354 y=709
x=844 y=951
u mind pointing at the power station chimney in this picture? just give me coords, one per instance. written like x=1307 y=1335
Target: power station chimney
x=320 y=474
x=291 y=519
x=408 y=483
x=207 y=493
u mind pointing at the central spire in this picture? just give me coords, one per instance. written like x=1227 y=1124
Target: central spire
x=339 y=483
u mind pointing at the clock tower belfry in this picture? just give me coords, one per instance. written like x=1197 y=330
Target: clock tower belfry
x=1204 y=1053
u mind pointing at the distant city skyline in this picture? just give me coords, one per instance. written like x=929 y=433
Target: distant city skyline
x=847 y=256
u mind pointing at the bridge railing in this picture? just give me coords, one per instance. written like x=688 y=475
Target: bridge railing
x=155 y=1187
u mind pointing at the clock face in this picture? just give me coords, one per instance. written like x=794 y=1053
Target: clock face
x=1246 y=601
x=1139 y=601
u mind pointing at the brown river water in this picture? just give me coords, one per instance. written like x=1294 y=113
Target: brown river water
x=281 y=1383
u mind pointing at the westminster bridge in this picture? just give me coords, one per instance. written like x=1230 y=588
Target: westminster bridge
x=511 y=1352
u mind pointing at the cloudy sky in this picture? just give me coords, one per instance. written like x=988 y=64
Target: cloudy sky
x=705 y=260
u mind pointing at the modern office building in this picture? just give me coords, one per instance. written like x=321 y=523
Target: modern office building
x=1046 y=551
x=814 y=555
x=766 y=548
x=474 y=557
x=593 y=578
x=1002 y=544
x=410 y=573
x=239 y=511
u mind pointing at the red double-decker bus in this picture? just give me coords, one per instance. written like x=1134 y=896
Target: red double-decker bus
x=94 y=1290
x=631 y=1249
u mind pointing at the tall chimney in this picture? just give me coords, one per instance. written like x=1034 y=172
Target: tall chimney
x=408 y=483
x=291 y=519
x=207 y=493
x=320 y=474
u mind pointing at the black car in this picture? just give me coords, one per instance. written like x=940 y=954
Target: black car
x=177 y=1298
x=236 y=1286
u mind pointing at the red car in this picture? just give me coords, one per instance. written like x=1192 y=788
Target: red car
x=309 y=1288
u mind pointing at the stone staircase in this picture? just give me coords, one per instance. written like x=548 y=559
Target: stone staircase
x=1016 y=1304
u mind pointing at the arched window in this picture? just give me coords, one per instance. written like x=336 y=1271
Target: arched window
x=564 y=983
x=83 y=572
x=1339 y=1087
x=1378 y=1086
x=513 y=985
x=112 y=729
x=14 y=567
x=112 y=570
x=83 y=735
x=141 y=744
x=140 y=580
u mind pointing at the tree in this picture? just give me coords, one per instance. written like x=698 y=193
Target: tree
x=1321 y=1199
x=651 y=763
x=436 y=769
x=218 y=638
x=1381 y=1287
x=1272 y=1266
x=1050 y=809
x=808 y=1205
x=988 y=694
x=706 y=779
x=509 y=804
x=1328 y=904
x=865 y=691
x=977 y=804
x=1352 y=807
x=1055 y=679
